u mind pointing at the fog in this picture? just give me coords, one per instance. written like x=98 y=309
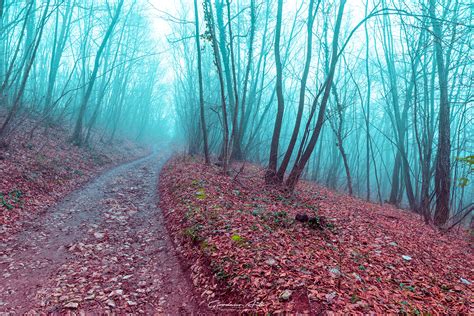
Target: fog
x=371 y=98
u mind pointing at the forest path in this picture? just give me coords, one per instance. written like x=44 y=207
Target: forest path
x=103 y=248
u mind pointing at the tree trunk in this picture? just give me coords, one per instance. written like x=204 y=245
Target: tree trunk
x=442 y=175
x=304 y=79
x=237 y=144
x=367 y=118
x=224 y=54
x=395 y=180
x=235 y=109
x=77 y=137
x=58 y=49
x=217 y=61
x=26 y=74
x=270 y=175
x=300 y=164
x=201 y=92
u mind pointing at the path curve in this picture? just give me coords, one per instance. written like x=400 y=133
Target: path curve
x=102 y=248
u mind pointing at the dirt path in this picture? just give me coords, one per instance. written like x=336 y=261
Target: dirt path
x=103 y=248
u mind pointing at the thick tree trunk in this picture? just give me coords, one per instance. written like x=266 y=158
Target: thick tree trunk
x=237 y=144
x=235 y=109
x=443 y=165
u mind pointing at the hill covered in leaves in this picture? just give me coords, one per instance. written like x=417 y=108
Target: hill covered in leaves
x=246 y=251
x=38 y=169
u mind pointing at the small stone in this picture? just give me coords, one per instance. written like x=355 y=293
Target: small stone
x=90 y=297
x=72 y=305
x=330 y=297
x=335 y=272
x=271 y=262
x=393 y=244
x=111 y=303
x=285 y=295
x=116 y=292
x=357 y=277
x=99 y=235
x=464 y=281
x=406 y=258
x=131 y=303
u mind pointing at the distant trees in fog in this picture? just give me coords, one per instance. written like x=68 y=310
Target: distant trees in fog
x=93 y=63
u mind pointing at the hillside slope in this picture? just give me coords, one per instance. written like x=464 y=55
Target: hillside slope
x=247 y=252
x=37 y=171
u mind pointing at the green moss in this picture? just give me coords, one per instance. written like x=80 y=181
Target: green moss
x=201 y=194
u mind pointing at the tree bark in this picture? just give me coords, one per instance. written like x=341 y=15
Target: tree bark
x=26 y=74
x=304 y=79
x=301 y=163
x=77 y=137
x=201 y=91
x=443 y=165
x=217 y=61
x=237 y=144
x=270 y=175
x=58 y=49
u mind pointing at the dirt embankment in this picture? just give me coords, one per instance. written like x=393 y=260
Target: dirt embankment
x=247 y=251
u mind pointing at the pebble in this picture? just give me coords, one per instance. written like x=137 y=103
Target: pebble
x=285 y=295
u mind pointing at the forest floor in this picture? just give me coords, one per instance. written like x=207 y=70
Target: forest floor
x=80 y=230
x=247 y=253
x=104 y=248
x=74 y=245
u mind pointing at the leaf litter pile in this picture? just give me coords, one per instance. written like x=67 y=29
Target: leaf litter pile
x=247 y=252
x=38 y=171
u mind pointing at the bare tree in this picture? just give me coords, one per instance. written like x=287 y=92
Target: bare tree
x=209 y=16
x=271 y=173
x=305 y=153
x=29 y=60
x=77 y=137
x=201 y=92
x=443 y=166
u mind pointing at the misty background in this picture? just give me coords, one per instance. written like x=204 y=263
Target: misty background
x=372 y=98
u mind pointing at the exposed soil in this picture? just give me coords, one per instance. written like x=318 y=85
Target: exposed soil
x=104 y=248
